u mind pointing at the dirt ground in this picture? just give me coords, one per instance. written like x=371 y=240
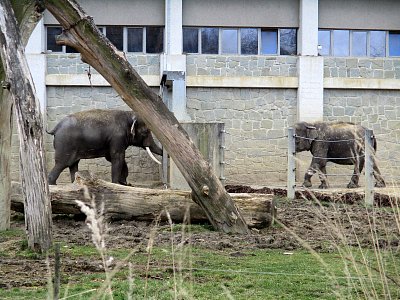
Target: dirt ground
x=300 y=224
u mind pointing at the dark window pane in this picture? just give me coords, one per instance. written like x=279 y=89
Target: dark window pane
x=135 y=40
x=190 y=40
x=154 y=39
x=115 y=35
x=377 y=43
x=69 y=49
x=269 y=41
x=394 y=43
x=341 y=42
x=229 y=41
x=209 y=40
x=324 y=40
x=288 y=41
x=52 y=32
x=249 y=40
x=359 y=43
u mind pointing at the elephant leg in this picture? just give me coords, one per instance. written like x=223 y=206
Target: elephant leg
x=380 y=182
x=124 y=174
x=73 y=169
x=117 y=165
x=55 y=173
x=322 y=177
x=307 y=177
x=356 y=174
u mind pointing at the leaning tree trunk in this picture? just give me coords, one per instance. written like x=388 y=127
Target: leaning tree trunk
x=81 y=33
x=30 y=128
x=28 y=14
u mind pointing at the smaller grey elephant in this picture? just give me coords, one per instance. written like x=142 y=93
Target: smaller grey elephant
x=99 y=133
x=341 y=143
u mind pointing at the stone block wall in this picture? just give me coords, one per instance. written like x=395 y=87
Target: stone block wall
x=356 y=67
x=376 y=110
x=65 y=100
x=256 y=122
x=148 y=64
x=235 y=65
x=256 y=119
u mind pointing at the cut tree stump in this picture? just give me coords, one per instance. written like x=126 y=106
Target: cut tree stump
x=124 y=202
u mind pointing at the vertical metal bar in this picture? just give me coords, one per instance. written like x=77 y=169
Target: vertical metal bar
x=57 y=271
x=165 y=162
x=221 y=129
x=291 y=165
x=369 y=168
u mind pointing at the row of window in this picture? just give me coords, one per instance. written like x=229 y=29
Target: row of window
x=239 y=41
x=358 y=43
x=245 y=41
x=127 y=39
x=195 y=40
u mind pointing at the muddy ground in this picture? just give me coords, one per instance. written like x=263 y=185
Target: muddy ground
x=300 y=224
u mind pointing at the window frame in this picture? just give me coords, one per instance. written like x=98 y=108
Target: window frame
x=198 y=39
x=366 y=42
x=240 y=40
x=278 y=45
x=125 y=40
x=63 y=47
x=221 y=40
x=103 y=29
x=351 y=46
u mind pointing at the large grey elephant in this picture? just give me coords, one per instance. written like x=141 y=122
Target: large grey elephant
x=99 y=133
x=341 y=143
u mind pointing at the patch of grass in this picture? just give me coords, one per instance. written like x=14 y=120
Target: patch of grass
x=209 y=274
x=9 y=233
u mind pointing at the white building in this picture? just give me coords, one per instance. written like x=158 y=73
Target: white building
x=257 y=66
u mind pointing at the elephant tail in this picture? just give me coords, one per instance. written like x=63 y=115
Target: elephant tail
x=53 y=131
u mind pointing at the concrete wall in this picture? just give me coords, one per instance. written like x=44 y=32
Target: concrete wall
x=359 y=14
x=239 y=13
x=120 y=12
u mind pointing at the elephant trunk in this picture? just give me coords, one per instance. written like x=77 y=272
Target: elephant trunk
x=152 y=156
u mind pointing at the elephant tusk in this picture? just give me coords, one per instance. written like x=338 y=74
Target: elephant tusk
x=152 y=156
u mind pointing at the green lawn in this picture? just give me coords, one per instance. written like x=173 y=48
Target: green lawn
x=206 y=274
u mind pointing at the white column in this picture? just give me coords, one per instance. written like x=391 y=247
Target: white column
x=308 y=30
x=36 y=58
x=173 y=26
x=173 y=62
x=310 y=66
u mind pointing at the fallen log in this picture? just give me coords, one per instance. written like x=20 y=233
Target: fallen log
x=125 y=202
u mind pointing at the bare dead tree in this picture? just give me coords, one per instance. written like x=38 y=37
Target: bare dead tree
x=19 y=82
x=81 y=33
x=28 y=14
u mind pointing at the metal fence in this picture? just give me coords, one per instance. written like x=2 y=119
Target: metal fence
x=368 y=155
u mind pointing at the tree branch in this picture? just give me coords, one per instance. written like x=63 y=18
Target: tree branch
x=113 y=66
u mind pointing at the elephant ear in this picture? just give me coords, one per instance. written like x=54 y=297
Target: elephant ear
x=134 y=119
x=312 y=132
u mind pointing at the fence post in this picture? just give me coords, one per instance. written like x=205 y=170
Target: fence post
x=222 y=132
x=369 y=170
x=291 y=166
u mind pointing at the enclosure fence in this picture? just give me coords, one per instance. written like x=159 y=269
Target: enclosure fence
x=368 y=156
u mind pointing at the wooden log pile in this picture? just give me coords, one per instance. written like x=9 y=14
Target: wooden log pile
x=125 y=202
